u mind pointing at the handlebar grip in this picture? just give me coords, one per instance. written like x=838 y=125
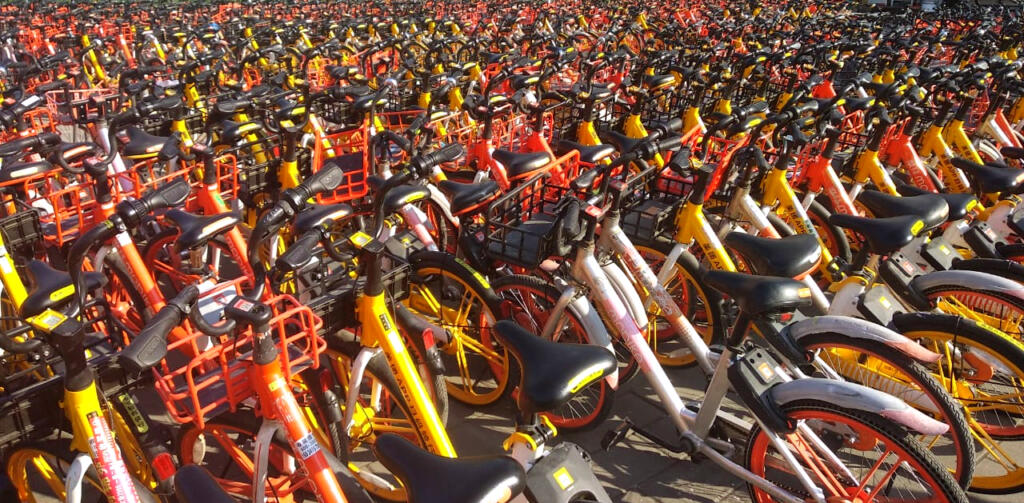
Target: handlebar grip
x=448 y=153
x=810 y=106
x=42 y=139
x=672 y=126
x=150 y=345
x=300 y=252
x=126 y=117
x=325 y=180
x=165 y=104
x=673 y=142
x=167 y=196
x=393 y=137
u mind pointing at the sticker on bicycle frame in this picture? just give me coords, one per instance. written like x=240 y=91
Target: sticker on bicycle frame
x=563 y=478
x=126 y=401
x=242 y=304
x=107 y=460
x=47 y=320
x=276 y=384
x=360 y=239
x=307 y=446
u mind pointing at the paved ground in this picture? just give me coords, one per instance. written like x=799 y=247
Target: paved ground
x=635 y=470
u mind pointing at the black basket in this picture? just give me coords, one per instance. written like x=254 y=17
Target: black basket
x=563 y=120
x=338 y=113
x=156 y=125
x=650 y=201
x=258 y=181
x=336 y=305
x=662 y=105
x=520 y=225
x=22 y=231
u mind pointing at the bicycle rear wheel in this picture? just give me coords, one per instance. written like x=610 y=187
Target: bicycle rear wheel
x=881 y=367
x=885 y=463
x=528 y=301
x=984 y=370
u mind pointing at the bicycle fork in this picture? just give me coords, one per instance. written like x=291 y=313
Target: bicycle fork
x=276 y=396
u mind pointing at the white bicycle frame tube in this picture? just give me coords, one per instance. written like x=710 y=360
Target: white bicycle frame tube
x=587 y=270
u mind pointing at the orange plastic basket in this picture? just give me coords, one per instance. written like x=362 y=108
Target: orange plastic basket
x=218 y=378
x=65 y=205
x=145 y=176
x=348 y=149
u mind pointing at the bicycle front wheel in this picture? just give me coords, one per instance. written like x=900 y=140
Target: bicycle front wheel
x=883 y=462
x=884 y=368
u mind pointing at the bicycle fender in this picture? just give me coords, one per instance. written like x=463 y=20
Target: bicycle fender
x=856 y=328
x=627 y=292
x=438 y=197
x=74 y=478
x=854 y=396
x=974 y=280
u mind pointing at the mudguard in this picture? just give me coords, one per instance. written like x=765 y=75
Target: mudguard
x=856 y=397
x=438 y=197
x=856 y=328
x=627 y=292
x=972 y=280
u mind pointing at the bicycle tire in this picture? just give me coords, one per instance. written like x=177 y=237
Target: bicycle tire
x=978 y=348
x=596 y=401
x=439 y=280
x=898 y=439
x=997 y=309
x=903 y=368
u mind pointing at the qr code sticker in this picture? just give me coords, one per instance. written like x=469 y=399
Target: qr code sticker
x=307 y=446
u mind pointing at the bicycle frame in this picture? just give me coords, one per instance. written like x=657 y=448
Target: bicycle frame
x=694 y=427
x=380 y=334
x=91 y=433
x=285 y=413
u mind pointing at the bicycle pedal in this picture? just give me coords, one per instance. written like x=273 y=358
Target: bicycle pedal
x=616 y=435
